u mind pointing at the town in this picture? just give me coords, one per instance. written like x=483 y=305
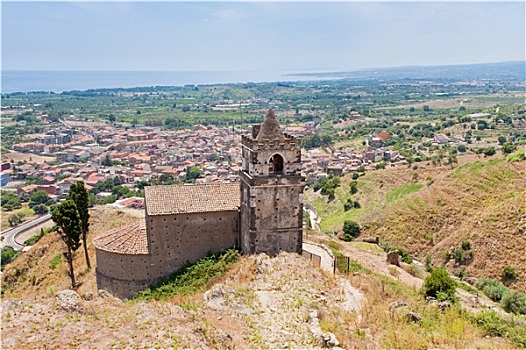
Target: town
x=118 y=141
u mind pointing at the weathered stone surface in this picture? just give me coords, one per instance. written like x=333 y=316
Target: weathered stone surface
x=398 y=304
x=11 y=305
x=471 y=280
x=216 y=296
x=263 y=263
x=431 y=300
x=105 y=294
x=444 y=305
x=373 y=240
x=393 y=258
x=329 y=340
x=413 y=316
x=69 y=301
x=88 y=296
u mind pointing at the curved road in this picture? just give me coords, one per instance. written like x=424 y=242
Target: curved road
x=8 y=237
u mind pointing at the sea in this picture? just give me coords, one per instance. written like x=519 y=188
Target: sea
x=60 y=81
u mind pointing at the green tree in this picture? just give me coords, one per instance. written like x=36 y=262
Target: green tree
x=193 y=173
x=79 y=195
x=9 y=200
x=106 y=160
x=15 y=219
x=508 y=148
x=8 y=255
x=501 y=140
x=40 y=209
x=439 y=285
x=38 y=197
x=351 y=229
x=353 y=187
x=67 y=218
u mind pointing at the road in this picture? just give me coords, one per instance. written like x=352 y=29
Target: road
x=8 y=237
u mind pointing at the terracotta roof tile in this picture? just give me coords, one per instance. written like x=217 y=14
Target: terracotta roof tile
x=202 y=198
x=129 y=239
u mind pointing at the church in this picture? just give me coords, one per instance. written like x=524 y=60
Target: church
x=263 y=213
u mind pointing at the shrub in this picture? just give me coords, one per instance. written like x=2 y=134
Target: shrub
x=517 y=157
x=8 y=255
x=191 y=278
x=495 y=292
x=439 y=285
x=508 y=273
x=348 y=205
x=514 y=301
x=492 y=325
x=493 y=289
x=404 y=256
x=353 y=187
x=351 y=229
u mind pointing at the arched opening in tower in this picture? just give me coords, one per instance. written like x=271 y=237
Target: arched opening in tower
x=276 y=164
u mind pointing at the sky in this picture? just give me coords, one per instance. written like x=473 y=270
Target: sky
x=234 y=36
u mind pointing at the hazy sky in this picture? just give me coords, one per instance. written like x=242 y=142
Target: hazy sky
x=293 y=36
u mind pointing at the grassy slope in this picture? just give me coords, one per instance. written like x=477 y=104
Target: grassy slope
x=482 y=201
x=42 y=271
x=163 y=324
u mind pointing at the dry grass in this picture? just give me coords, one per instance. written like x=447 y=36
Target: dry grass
x=28 y=157
x=266 y=309
x=481 y=202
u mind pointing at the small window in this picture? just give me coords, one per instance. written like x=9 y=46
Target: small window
x=276 y=164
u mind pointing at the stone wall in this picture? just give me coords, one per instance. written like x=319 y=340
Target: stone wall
x=175 y=240
x=271 y=214
x=122 y=274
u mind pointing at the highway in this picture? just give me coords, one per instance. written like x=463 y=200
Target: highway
x=8 y=237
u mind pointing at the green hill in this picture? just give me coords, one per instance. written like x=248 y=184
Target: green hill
x=431 y=210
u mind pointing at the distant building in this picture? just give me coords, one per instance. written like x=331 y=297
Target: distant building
x=4 y=179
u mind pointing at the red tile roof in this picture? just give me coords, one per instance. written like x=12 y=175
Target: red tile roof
x=202 y=198
x=129 y=239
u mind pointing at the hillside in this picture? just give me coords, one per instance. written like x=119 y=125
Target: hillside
x=260 y=302
x=430 y=210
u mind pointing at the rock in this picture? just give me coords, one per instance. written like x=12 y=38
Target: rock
x=431 y=300
x=104 y=294
x=69 y=301
x=329 y=340
x=88 y=296
x=11 y=305
x=215 y=297
x=413 y=316
x=471 y=280
x=217 y=291
x=398 y=304
x=444 y=305
x=393 y=258
x=373 y=240
x=262 y=263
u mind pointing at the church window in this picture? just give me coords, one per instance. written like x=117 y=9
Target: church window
x=276 y=164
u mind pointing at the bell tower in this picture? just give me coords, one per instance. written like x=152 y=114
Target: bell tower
x=271 y=190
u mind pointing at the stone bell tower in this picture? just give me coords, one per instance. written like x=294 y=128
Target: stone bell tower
x=271 y=190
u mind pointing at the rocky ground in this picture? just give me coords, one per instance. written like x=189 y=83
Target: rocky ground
x=264 y=303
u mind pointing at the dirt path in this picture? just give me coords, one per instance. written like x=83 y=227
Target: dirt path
x=376 y=261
